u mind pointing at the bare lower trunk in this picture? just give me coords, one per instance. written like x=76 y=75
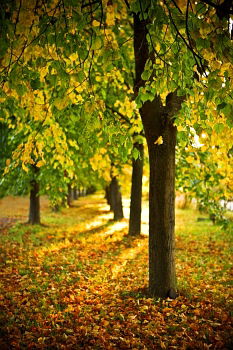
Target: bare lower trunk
x=69 y=196
x=162 y=276
x=34 y=207
x=75 y=193
x=136 y=193
x=116 y=199
x=108 y=197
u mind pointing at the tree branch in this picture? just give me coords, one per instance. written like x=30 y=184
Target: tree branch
x=120 y=114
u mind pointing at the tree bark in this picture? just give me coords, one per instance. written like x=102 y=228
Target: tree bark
x=75 y=193
x=136 y=193
x=108 y=197
x=162 y=277
x=69 y=196
x=116 y=199
x=34 y=206
x=90 y=190
x=158 y=121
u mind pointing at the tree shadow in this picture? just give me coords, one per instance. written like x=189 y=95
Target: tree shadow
x=94 y=230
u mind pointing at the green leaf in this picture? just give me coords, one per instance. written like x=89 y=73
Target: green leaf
x=35 y=84
x=146 y=75
x=138 y=101
x=219 y=127
x=135 y=153
x=97 y=43
x=3 y=47
x=221 y=106
x=81 y=76
x=21 y=89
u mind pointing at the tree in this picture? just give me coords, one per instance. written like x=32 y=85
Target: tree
x=158 y=119
x=158 y=125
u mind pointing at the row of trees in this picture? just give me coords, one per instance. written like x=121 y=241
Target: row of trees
x=84 y=82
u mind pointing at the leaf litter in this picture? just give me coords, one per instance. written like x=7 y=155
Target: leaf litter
x=80 y=282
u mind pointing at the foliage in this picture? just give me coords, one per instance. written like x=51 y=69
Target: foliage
x=80 y=282
x=204 y=166
x=67 y=79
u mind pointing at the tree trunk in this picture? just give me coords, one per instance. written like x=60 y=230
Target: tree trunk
x=75 y=193
x=108 y=197
x=136 y=193
x=34 y=207
x=90 y=190
x=116 y=199
x=158 y=121
x=162 y=277
x=69 y=196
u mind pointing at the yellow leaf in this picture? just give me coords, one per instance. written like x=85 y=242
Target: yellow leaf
x=73 y=57
x=40 y=163
x=159 y=141
x=24 y=168
x=162 y=344
x=8 y=161
x=180 y=128
x=95 y=23
x=189 y=159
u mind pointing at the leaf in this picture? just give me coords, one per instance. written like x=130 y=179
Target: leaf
x=159 y=141
x=146 y=75
x=189 y=159
x=97 y=43
x=95 y=23
x=40 y=163
x=219 y=127
x=24 y=167
x=221 y=106
x=135 y=153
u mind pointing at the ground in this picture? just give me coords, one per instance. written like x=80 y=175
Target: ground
x=79 y=282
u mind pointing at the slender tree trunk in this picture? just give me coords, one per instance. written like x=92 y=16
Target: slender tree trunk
x=34 y=206
x=158 y=121
x=116 y=199
x=75 y=193
x=108 y=197
x=136 y=193
x=90 y=190
x=69 y=196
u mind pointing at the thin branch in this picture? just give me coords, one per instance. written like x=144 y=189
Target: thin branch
x=17 y=18
x=64 y=9
x=127 y=4
x=27 y=44
x=177 y=6
x=187 y=44
x=120 y=114
x=90 y=4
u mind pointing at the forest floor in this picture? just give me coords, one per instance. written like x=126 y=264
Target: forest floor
x=79 y=282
